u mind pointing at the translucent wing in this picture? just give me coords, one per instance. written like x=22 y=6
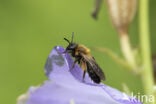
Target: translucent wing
x=92 y=63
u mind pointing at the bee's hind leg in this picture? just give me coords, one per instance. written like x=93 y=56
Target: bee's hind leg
x=84 y=73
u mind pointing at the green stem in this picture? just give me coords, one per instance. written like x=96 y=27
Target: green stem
x=147 y=76
x=127 y=50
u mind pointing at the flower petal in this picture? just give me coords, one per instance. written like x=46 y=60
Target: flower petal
x=66 y=86
x=77 y=73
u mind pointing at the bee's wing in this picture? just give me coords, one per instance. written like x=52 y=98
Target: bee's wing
x=91 y=61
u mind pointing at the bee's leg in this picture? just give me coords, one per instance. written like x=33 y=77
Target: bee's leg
x=84 y=73
x=75 y=61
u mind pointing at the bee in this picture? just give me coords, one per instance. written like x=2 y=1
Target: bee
x=87 y=62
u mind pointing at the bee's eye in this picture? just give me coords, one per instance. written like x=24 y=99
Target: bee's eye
x=71 y=47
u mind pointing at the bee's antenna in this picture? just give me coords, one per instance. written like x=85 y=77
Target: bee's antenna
x=72 y=37
x=67 y=40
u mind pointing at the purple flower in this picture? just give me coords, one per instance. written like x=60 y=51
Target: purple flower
x=67 y=87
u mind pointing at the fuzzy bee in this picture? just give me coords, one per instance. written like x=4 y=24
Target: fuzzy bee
x=85 y=60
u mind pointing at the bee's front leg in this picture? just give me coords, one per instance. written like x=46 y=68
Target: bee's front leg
x=75 y=61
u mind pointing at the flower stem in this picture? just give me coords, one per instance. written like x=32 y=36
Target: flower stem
x=147 y=76
x=127 y=50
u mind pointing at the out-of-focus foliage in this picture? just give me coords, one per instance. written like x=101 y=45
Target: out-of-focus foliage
x=29 y=29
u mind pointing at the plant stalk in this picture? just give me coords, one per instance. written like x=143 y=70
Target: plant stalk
x=147 y=76
x=127 y=50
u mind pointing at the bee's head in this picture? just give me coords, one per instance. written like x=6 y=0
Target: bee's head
x=71 y=46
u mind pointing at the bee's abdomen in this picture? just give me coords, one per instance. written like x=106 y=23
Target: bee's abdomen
x=93 y=75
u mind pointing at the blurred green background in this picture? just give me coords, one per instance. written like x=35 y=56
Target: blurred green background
x=29 y=29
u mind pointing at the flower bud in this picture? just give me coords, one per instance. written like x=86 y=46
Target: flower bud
x=122 y=13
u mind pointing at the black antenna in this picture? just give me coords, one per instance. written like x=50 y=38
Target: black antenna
x=67 y=40
x=72 y=37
